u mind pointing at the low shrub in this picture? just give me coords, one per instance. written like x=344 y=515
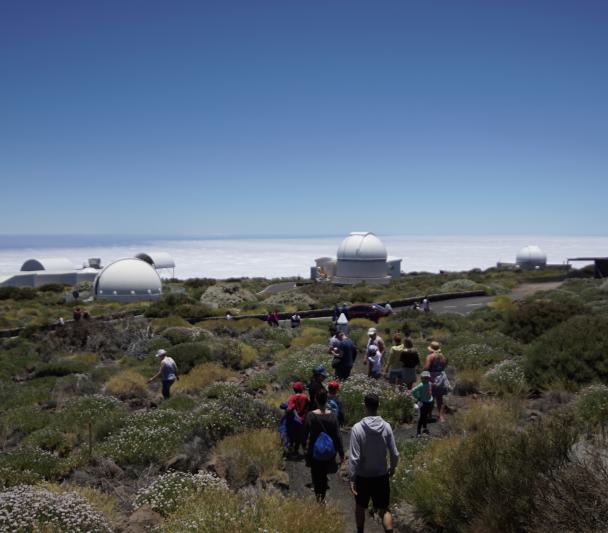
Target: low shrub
x=592 y=406
x=409 y=451
x=166 y=493
x=148 y=437
x=201 y=376
x=17 y=293
x=395 y=406
x=217 y=511
x=26 y=508
x=39 y=462
x=179 y=334
x=573 y=354
x=179 y=402
x=467 y=382
x=51 y=440
x=249 y=456
x=507 y=377
x=11 y=477
x=532 y=319
x=127 y=384
x=160 y=324
x=488 y=477
x=259 y=381
x=61 y=368
x=309 y=336
x=299 y=364
x=475 y=356
x=189 y=354
x=26 y=419
x=93 y=416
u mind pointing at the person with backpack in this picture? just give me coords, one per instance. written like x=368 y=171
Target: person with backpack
x=323 y=442
x=423 y=393
x=370 y=441
x=346 y=358
x=297 y=409
x=394 y=366
x=167 y=372
x=333 y=402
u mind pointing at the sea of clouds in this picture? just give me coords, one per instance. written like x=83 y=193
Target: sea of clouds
x=272 y=257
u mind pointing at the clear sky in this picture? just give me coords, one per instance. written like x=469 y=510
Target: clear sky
x=303 y=117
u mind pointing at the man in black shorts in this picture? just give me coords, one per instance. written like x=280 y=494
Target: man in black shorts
x=369 y=474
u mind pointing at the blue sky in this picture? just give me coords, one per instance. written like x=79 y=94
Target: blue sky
x=285 y=117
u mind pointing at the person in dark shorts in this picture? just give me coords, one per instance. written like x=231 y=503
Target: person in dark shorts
x=370 y=440
x=322 y=420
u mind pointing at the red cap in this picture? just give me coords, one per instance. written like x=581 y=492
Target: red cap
x=298 y=386
x=333 y=385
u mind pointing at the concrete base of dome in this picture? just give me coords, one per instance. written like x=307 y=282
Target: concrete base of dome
x=342 y=280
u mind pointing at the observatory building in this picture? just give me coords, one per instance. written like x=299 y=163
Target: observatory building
x=38 y=272
x=361 y=257
x=128 y=280
x=530 y=257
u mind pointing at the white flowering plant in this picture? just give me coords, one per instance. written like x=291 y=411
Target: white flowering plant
x=26 y=508
x=592 y=406
x=165 y=493
x=507 y=377
x=396 y=406
x=299 y=364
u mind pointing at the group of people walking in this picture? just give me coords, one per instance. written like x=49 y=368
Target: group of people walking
x=313 y=422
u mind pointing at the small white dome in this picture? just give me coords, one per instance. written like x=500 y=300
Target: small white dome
x=362 y=246
x=531 y=256
x=128 y=279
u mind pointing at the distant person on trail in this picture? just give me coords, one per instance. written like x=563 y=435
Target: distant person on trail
x=297 y=409
x=323 y=442
x=61 y=321
x=374 y=358
x=86 y=315
x=167 y=372
x=273 y=319
x=348 y=354
x=335 y=313
x=373 y=340
x=423 y=393
x=333 y=347
x=77 y=314
x=342 y=323
x=394 y=366
x=319 y=375
x=426 y=305
x=370 y=440
x=295 y=320
x=436 y=364
x=388 y=307
x=344 y=311
x=410 y=361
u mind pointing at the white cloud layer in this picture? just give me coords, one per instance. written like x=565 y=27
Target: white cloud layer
x=294 y=257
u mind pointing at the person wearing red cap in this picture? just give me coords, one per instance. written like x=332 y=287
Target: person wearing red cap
x=297 y=407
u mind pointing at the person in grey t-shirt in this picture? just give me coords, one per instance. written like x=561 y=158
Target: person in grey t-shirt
x=167 y=372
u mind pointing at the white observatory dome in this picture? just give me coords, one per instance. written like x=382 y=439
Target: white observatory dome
x=128 y=280
x=531 y=257
x=362 y=246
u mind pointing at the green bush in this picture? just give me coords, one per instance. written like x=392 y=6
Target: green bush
x=26 y=419
x=40 y=462
x=148 y=437
x=51 y=440
x=11 y=477
x=592 y=406
x=507 y=377
x=61 y=368
x=299 y=364
x=475 y=356
x=189 y=354
x=167 y=492
x=395 y=406
x=17 y=293
x=487 y=479
x=532 y=319
x=572 y=354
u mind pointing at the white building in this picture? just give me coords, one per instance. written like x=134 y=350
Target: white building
x=531 y=257
x=128 y=280
x=38 y=272
x=160 y=261
x=362 y=257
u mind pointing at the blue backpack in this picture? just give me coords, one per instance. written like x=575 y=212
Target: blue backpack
x=323 y=449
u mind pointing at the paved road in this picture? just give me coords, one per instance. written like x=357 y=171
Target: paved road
x=461 y=306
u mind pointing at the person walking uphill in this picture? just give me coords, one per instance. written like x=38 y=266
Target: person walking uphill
x=319 y=375
x=167 y=372
x=323 y=440
x=370 y=440
x=436 y=363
